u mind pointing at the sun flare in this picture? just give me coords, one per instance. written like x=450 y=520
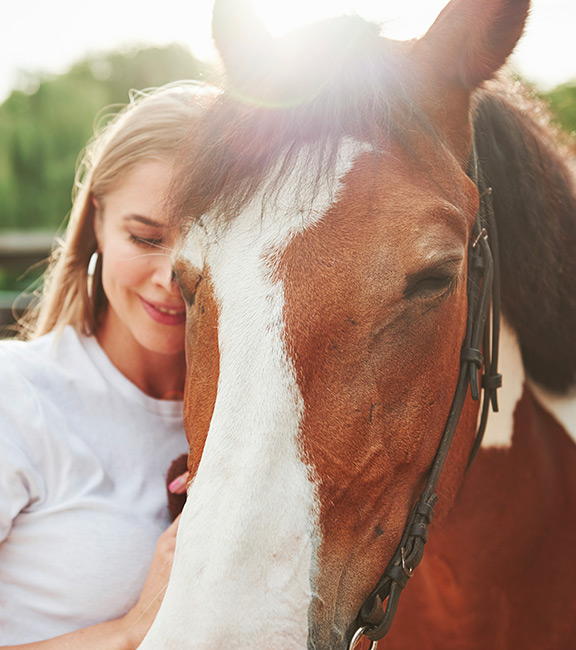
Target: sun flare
x=408 y=19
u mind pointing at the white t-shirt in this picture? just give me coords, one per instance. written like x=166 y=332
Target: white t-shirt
x=83 y=459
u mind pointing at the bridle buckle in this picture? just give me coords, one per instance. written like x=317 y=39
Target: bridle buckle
x=483 y=234
x=408 y=570
x=355 y=640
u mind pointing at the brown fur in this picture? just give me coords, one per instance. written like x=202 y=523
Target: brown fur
x=496 y=571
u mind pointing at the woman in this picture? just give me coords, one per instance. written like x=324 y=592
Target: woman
x=90 y=405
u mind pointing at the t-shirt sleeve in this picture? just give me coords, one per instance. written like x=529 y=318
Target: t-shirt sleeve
x=14 y=485
x=19 y=425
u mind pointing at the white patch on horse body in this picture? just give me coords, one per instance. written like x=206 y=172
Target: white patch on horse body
x=562 y=407
x=245 y=553
x=501 y=424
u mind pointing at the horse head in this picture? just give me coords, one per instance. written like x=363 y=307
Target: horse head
x=329 y=219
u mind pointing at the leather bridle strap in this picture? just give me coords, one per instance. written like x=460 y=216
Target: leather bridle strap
x=479 y=350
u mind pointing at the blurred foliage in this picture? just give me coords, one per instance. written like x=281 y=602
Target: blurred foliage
x=22 y=279
x=562 y=100
x=44 y=129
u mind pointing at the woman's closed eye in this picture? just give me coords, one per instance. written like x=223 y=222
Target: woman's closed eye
x=149 y=242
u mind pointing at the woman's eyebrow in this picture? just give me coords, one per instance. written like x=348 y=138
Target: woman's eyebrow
x=147 y=221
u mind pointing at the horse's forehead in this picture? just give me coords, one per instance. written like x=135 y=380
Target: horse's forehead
x=272 y=217
x=300 y=198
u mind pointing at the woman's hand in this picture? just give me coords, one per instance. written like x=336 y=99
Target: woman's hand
x=179 y=484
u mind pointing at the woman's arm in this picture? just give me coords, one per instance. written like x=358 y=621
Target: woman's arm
x=125 y=633
x=112 y=635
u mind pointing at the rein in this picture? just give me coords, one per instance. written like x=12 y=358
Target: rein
x=483 y=288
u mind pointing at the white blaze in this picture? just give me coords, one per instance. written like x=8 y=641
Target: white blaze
x=246 y=543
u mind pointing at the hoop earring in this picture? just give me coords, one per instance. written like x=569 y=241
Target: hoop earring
x=92 y=264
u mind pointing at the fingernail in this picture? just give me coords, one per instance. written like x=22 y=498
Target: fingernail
x=177 y=485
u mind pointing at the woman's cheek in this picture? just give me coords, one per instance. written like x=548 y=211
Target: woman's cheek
x=132 y=267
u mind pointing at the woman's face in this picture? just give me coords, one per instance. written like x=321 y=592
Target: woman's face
x=145 y=304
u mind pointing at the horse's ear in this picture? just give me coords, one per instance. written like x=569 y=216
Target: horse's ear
x=241 y=38
x=471 y=40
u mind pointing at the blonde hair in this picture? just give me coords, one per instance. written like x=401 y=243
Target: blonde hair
x=151 y=127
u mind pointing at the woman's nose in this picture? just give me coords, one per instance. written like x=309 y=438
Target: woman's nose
x=165 y=276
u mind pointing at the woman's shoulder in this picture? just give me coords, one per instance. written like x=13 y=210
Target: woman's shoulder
x=50 y=353
x=25 y=368
x=43 y=346
x=19 y=359
x=37 y=372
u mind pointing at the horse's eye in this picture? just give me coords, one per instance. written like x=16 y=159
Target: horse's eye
x=430 y=285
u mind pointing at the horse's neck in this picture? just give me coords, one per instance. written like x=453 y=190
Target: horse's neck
x=562 y=407
x=518 y=487
x=493 y=564
x=534 y=202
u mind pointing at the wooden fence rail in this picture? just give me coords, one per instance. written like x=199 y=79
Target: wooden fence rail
x=19 y=251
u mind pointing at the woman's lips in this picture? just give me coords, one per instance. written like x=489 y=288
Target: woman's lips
x=164 y=314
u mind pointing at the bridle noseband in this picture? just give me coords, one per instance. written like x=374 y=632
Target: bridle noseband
x=479 y=352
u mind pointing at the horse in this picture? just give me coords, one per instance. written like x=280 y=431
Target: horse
x=374 y=234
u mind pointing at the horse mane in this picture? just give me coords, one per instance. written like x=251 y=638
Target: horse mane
x=340 y=79
x=529 y=166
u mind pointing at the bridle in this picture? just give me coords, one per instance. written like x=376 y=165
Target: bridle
x=479 y=352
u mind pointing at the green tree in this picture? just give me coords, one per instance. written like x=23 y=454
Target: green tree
x=562 y=100
x=43 y=132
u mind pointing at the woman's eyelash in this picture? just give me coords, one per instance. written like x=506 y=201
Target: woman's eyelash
x=145 y=241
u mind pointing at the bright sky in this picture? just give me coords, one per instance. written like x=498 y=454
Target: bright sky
x=49 y=35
